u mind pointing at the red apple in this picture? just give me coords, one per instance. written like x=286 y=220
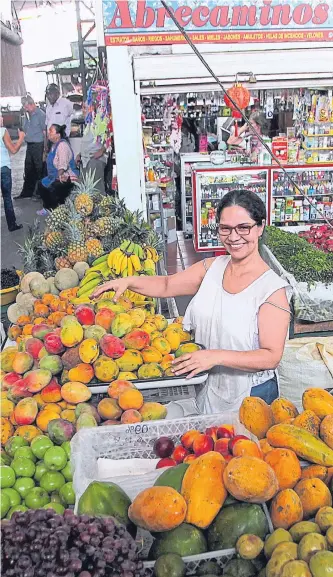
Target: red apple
x=222 y=446
x=188 y=438
x=224 y=433
x=212 y=432
x=163 y=447
x=179 y=454
x=85 y=315
x=234 y=440
x=166 y=463
x=202 y=444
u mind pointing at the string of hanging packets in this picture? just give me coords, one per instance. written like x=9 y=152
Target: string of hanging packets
x=98 y=117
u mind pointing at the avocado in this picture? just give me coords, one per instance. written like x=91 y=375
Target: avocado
x=172 y=477
x=234 y=521
x=183 y=540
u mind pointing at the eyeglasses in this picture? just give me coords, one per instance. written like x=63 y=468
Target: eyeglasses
x=241 y=229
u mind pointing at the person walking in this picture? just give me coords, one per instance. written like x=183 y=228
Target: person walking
x=58 y=111
x=6 y=146
x=35 y=133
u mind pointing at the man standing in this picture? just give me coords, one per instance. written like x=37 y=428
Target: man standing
x=34 y=128
x=59 y=110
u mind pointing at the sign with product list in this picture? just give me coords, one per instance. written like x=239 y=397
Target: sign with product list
x=144 y=22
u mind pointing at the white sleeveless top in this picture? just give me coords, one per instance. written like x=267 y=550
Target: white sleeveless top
x=221 y=320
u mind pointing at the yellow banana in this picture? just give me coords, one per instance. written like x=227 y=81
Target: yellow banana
x=129 y=267
x=135 y=262
x=112 y=256
x=149 y=264
x=80 y=300
x=125 y=273
x=155 y=255
x=117 y=263
x=123 y=264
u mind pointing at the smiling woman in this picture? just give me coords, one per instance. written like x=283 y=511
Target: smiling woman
x=240 y=310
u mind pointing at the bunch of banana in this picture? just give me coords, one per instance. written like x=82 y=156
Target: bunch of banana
x=149 y=267
x=95 y=275
x=151 y=252
x=124 y=260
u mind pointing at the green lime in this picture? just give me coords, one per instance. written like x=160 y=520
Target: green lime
x=36 y=498
x=55 y=497
x=5 y=459
x=41 y=468
x=25 y=452
x=23 y=467
x=23 y=486
x=7 y=476
x=56 y=506
x=5 y=504
x=55 y=458
x=66 y=445
x=13 y=495
x=67 y=494
x=52 y=481
x=40 y=444
x=13 y=444
x=67 y=472
x=20 y=508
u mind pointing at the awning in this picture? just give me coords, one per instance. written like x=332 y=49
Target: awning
x=12 y=80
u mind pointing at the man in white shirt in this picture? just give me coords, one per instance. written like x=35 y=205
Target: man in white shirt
x=59 y=110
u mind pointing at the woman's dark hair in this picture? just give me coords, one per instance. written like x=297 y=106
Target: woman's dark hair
x=248 y=200
x=61 y=129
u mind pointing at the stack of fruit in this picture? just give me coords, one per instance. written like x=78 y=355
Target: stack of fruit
x=35 y=476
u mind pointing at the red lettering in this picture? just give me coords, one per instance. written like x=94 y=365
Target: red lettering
x=302 y=14
x=183 y=15
x=161 y=16
x=121 y=13
x=219 y=16
x=281 y=15
x=145 y=16
x=244 y=15
x=265 y=13
x=320 y=14
x=196 y=16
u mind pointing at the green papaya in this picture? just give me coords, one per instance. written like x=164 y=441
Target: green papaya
x=234 y=521
x=183 y=540
x=169 y=565
x=106 y=500
x=240 y=568
x=172 y=477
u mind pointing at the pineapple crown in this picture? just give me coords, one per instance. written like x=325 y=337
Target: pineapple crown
x=87 y=184
x=74 y=216
x=72 y=233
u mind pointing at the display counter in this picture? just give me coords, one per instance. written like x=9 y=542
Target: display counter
x=285 y=205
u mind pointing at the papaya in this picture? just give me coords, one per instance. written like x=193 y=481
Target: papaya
x=232 y=522
x=303 y=443
x=319 y=401
x=184 y=540
x=172 y=477
x=158 y=509
x=106 y=499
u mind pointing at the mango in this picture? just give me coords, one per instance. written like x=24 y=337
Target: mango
x=138 y=317
x=185 y=336
x=52 y=407
x=110 y=422
x=7 y=430
x=125 y=303
x=75 y=392
x=89 y=351
x=87 y=408
x=104 y=318
x=44 y=417
x=85 y=315
x=112 y=346
x=8 y=380
x=130 y=416
x=7 y=407
x=68 y=415
x=153 y=411
x=71 y=334
x=60 y=430
x=151 y=355
x=119 y=386
x=33 y=347
x=106 y=369
x=94 y=332
x=166 y=365
x=130 y=399
x=36 y=380
x=85 y=420
x=53 y=344
x=40 y=331
x=19 y=390
x=26 y=411
x=51 y=363
x=186 y=348
x=162 y=345
x=64 y=378
x=173 y=338
x=130 y=361
x=71 y=358
x=150 y=371
x=121 y=325
x=160 y=321
x=148 y=327
x=22 y=362
x=51 y=393
x=109 y=409
x=127 y=376
x=82 y=373
x=108 y=304
x=136 y=339
x=155 y=335
x=27 y=432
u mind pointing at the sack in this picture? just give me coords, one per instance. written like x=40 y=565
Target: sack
x=306 y=363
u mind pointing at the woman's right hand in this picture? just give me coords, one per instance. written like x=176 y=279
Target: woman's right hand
x=118 y=285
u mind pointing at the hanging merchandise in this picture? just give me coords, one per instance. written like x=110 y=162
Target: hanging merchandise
x=98 y=117
x=173 y=120
x=241 y=96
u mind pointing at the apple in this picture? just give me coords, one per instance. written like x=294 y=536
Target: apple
x=179 y=454
x=167 y=462
x=202 y=444
x=212 y=432
x=234 y=440
x=222 y=446
x=225 y=432
x=188 y=438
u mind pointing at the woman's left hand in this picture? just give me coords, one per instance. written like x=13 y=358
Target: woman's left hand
x=192 y=364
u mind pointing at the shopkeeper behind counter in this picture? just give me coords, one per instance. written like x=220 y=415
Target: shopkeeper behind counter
x=240 y=310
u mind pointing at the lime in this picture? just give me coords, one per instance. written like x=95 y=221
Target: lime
x=56 y=506
x=40 y=444
x=13 y=495
x=7 y=476
x=23 y=467
x=67 y=494
x=5 y=504
x=20 y=508
x=66 y=445
x=25 y=452
x=41 y=468
x=24 y=485
x=14 y=443
x=52 y=481
x=36 y=498
x=67 y=472
x=5 y=459
x=55 y=458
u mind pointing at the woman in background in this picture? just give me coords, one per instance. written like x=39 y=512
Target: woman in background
x=61 y=170
x=8 y=146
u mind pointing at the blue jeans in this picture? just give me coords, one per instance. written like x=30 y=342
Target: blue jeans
x=267 y=391
x=6 y=190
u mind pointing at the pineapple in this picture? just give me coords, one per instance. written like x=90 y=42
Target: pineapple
x=105 y=206
x=84 y=194
x=48 y=264
x=76 y=248
x=106 y=226
x=62 y=262
x=57 y=218
x=53 y=239
x=31 y=250
x=94 y=247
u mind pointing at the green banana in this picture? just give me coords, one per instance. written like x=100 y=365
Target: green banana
x=103 y=267
x=89 y=277
x=90 y=285
x=100 y=259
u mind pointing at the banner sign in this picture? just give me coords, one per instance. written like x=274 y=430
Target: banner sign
x=140 y=22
